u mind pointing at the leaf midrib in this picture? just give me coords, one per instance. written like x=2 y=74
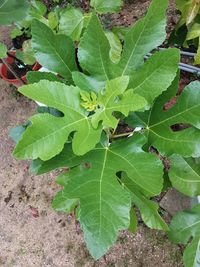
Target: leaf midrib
x=188 y=227
x=100 y=190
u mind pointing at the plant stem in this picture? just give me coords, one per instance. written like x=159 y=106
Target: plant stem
x=13 y=72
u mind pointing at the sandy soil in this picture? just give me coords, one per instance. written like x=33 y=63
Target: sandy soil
x=31 y=233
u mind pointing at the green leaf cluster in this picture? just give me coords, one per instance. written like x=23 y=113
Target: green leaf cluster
x=188 y=28
x=97 y=85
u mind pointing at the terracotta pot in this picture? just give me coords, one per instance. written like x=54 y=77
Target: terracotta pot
x=4 y=71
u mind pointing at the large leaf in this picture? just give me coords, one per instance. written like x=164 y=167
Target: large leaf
x=104 y=203
x=106 y=6
x=55 y=52
x=71 y=23
x=12 y=11
x=144 y=36
x=148 y=208
x=110 y=101
x=184 y=174
x=157 y=123
x=94 y=50
x=46 y=136
x=185 y=225
x=164 y=65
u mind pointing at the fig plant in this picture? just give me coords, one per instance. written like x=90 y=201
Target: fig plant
x=187 y=30
x=113 y=169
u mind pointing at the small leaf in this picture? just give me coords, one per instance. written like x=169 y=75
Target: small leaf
x=52 y=20
x=116 y=47
x=110 y=101
x=55 y=52
x=192 y=11
x=194 y=31
x=185 y=224
x=27 y=55
x=89 y=100
x=3 y=50
x=39 y=7
x=71 y=23
x=106 y=6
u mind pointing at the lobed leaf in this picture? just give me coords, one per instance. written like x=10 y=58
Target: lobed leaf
x=47 y=135
x=157 y=123
x=103 y=214
x=110 y=101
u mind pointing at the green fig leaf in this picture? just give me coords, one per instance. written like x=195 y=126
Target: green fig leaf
x=40 y=141
x=106 y=6
x=103 y=214
x=110 y=101
x=157 y=123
